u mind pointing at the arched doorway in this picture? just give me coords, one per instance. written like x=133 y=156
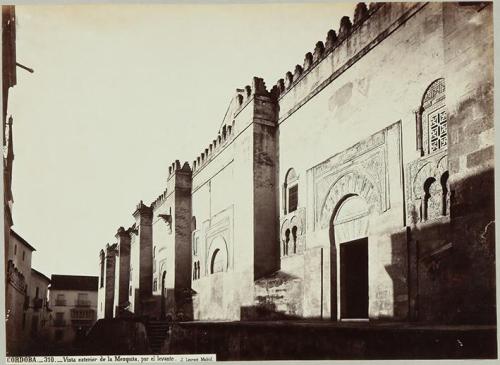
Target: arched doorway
x=163 y=295
x=349 y=270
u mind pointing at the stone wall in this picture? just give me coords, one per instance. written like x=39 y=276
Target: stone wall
x=468 y=56
x=110 y=281
x=351 y=125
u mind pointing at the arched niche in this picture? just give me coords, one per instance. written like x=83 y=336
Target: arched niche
x=217 y=260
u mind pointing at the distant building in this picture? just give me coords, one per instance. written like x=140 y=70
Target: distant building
x=73 y=304
x=37 y=311
x=26 y=297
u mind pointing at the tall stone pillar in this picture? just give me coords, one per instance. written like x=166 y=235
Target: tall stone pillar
x=180 y=181
x=110 y=280
x=123 y=280
x=144 y=217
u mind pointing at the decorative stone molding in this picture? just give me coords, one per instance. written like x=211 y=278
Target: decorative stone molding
x=359 y=170
x=308 y=61
x=331 y=40
x=360 y=13
x=319 y=50
x=427 y=189
x=345 y=26
x=293 y=232
x=298 y=71
x=351 y=183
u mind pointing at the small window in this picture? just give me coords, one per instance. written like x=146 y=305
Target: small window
x=37 y=292
x=195 y=245
x=293 y=198
x=291 y=192
x=15 y=249
x=130 y=291
x=432 y=125
x=24 y=254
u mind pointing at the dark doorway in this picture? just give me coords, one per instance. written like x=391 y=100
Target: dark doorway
x=354 y=279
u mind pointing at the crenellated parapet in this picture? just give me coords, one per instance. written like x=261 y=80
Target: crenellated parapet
x=227 y=133
x=159 y=200
x=323 y=49
x=111 y=250
x=243 y=96
x=142 y=210
x=175 y=167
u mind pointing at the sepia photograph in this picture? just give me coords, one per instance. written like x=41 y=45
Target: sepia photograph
x=248 y=181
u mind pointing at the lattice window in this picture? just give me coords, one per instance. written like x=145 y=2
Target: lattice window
x=438 y=130
x=432 y=130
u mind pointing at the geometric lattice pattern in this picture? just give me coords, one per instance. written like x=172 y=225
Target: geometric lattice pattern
x=438 y=130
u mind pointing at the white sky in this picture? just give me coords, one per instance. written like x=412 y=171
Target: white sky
x=119 y=93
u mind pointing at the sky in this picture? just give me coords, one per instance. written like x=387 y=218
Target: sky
x=121 y=91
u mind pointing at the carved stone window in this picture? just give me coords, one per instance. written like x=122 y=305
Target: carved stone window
x=436 y=198
x=294 y=239
x=196 y=270
x=438 y=131
x=446 y=196
x=195 y=244
x=291 y=192
x=432 y=125
x=286 y=243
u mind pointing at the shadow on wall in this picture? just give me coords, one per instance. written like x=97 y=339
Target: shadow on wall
x=292 y=340
x=174 y=305
x=277 y=297
x=451 y=262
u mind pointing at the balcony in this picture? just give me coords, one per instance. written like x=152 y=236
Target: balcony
x=59 y=323
x=37 y=303
x=60 y=302
x=82 y=303
x=82 y=314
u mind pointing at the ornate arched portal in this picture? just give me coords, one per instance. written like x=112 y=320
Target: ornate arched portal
x=349 y=227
